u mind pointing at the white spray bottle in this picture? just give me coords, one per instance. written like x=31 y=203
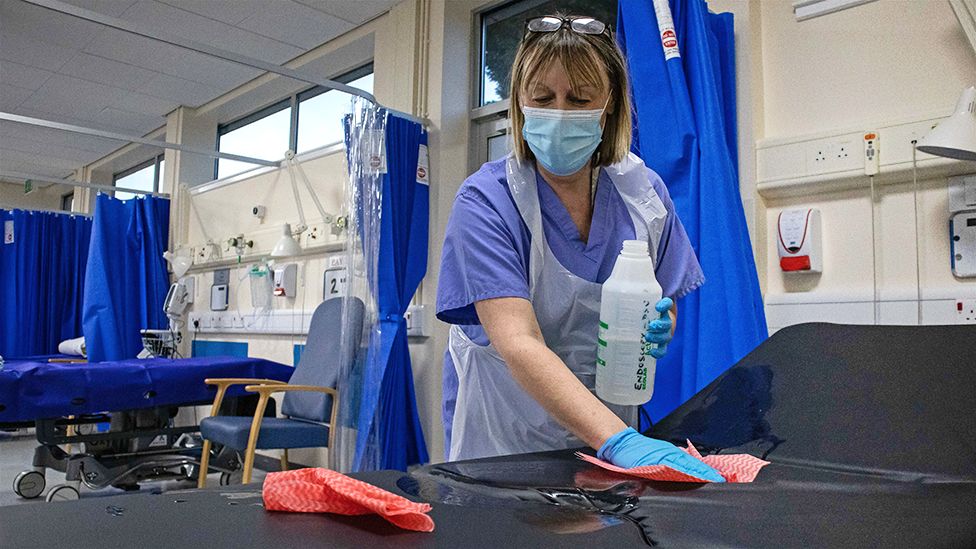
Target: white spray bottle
x=624 y=369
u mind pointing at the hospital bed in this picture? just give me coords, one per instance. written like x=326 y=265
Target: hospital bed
x=69 y=405
x=869 y=431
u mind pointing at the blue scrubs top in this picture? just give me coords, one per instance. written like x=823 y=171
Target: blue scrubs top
x=486 y=251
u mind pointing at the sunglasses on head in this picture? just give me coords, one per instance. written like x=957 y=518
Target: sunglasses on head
x=577 y=24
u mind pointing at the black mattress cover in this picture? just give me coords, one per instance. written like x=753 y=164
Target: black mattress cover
x=870 y=431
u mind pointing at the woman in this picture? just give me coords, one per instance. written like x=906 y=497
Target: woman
x=530 y=240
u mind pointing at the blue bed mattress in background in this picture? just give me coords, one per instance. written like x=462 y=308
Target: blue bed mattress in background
x=40 y=390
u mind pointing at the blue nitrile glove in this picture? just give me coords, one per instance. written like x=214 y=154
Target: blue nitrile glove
x=628 y=448
x=659 y=329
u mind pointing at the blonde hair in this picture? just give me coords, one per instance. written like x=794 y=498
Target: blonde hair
x=583 y=56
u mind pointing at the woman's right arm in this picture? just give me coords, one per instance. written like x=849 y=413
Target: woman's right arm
x=513 y=330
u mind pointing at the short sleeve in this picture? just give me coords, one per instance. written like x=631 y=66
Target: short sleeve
x=483 y=257
x=677 y=268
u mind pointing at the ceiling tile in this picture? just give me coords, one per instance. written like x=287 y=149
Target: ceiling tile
x=23 y=76
x=141 y=124
x=67 y=95
x=34 y=169
x=107 y=71
x=156 y=56
x=227 y=11
x=355 y=12
x=200 y=29
x=105 y=7
x=28 y=50
x=43 y=150
x=179 y=90
x=46 y=25
x=47 y=161
x=49 y=136
x=295 y=24
x=146 y=104
x=12 y=97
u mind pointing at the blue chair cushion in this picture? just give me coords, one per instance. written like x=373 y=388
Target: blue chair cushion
x=276 y=432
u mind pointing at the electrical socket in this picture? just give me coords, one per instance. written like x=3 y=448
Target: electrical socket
x=840 y=151
x=966 y=311
x=833 y=154
x=820 y=155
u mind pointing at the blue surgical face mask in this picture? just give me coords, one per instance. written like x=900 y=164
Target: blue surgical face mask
x=562 y=141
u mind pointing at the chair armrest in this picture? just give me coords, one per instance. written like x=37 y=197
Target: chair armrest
x=228 y=381
x=261 y=389
x=265 y=391
x=223 y=383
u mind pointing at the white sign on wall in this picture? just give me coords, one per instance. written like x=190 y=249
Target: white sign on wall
x=335 y=283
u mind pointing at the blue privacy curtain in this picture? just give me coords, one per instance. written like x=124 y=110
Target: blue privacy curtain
x=127 y=281
x=401 y=264
x=390 y=205
x=685 y=130
x=42 y=274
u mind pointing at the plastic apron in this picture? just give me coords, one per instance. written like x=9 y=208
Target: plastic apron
x=494 y=415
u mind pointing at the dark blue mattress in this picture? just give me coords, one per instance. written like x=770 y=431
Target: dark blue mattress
x=41 y=390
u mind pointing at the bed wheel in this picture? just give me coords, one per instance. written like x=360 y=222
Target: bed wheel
x=227 y=479
x=63 y=492
x=29 y=484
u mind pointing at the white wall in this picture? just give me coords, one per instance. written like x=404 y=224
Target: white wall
x=861 y=68
x=42 y=198
x=878 y=61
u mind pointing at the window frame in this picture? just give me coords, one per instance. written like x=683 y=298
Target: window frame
x=292 y=102
x=155 y=161
x=238 y=123
x=69 y=196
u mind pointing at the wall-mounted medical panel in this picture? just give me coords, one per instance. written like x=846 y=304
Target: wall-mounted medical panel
x=825 y=162
x=962 y=245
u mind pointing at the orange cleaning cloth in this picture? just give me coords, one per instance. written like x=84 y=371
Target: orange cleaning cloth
x=326 y=491
x=733 y=467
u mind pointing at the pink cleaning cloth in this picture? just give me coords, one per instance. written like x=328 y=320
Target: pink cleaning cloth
x=733 y=467
x=326 y=491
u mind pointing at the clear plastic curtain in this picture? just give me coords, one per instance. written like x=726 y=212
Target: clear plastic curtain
x=365 y=147
x=388 y=205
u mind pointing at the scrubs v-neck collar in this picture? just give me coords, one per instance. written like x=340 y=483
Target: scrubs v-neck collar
x=555 y=214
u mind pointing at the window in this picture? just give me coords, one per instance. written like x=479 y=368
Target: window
x=264 y=134
x=320 y=114
x=68 y=202
x=305 y=121
x=502 y=29
x=144 y=177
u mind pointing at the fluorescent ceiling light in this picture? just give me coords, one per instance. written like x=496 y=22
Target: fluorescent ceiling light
x=808 y=9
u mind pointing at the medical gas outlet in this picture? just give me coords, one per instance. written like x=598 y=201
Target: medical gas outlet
x=798 y=241
x=285 y=280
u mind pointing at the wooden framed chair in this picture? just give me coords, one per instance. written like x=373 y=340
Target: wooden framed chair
x=310 y=403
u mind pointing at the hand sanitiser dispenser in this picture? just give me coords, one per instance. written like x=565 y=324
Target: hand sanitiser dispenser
x=624 y=369
x=798 y=241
